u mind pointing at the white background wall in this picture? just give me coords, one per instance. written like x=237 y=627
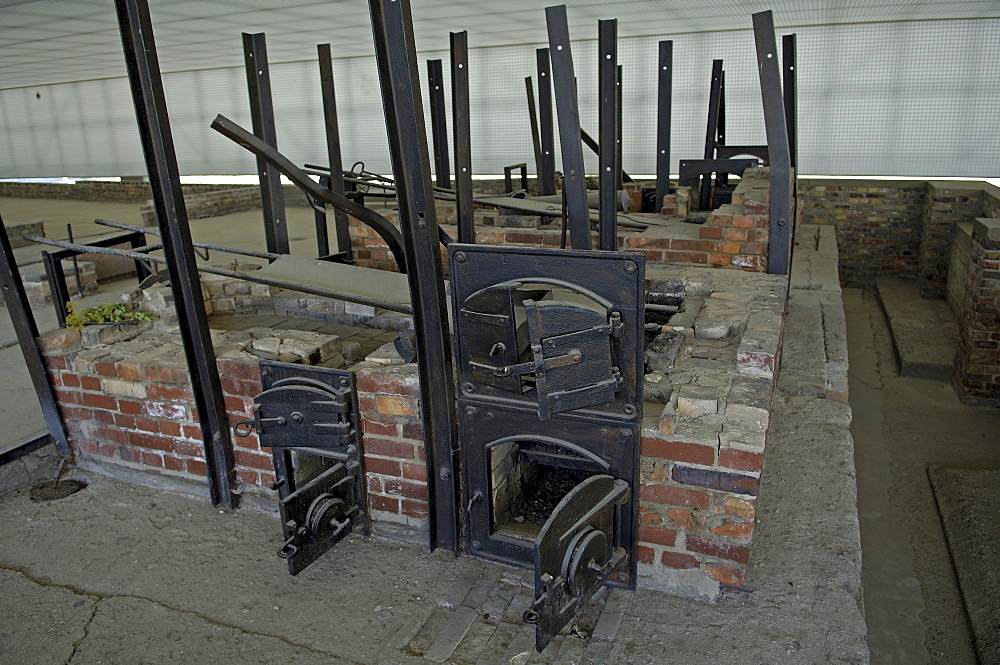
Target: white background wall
x=903 y=98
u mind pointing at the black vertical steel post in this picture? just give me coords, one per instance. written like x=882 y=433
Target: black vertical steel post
x=664 y=98
x=790 y=96
x=262 y=114
x=564 y=81
x=714 y=97
x=336 y=163
x=16 y=301
x=546 y=127
x=607 y=49
x=536 y=143
x=439 y=124
x=620 y=175
x=319 y=218
x=171 y=214
x=779 y=242
x=462 y=130
x=721 y=178
x=395 y=54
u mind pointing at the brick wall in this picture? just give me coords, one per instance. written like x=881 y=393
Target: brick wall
x=977 y=379
x=878 y=225
x=945 y=206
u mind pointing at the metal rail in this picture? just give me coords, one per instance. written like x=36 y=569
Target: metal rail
x=270 y=256
x=246 y=276
x=168 y=200
x=380 y=224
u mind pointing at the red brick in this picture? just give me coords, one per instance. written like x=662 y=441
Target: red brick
x=675 y=496
x=105 y=368
x=386 y=467
x=716 y=480
x=752 y=248
x=129 y=370
x=129 y=407
x=710 y=232
x=192 y=432
x=386 y=503
x=170 y=393
x=389 y=383
x=645 y=554
x=109 y=434
x=59 y=340
x=657 y=535
x=70 y=380
x=684 y=244
x=174 y=463
x=734 y=529
x=524 y=238
x=267 y=478
x=88 y=447
x=56 y=362
x=744 y=221
x=649 y=517
x=671 y=256
x=740 y=459
x=100 y=401
x=147 y=424
x=384 y=427
x=678 y=560
x=90 y=383
x=388 y=448
x=415 y=471
x=413 y=431
x=735 y=235
x=153 y=441
x=105 y=417
x=719 y=259
x=126 y=421
x=726 y=574
x=416 y=509
x=393 y=405
x=717 y=548
x=677 y=451
x=729 y=247
x=164 y=374
x=245 y=458
x=405 y=488
x=170 y=427
x=373 y=483
x=682 y=518
x=197 y=467
x=246 y=371
x=151 y=459
x=639 y=242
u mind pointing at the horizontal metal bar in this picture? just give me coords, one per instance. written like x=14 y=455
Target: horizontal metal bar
x=25 y=446
x=245 y=276
x=204 y=245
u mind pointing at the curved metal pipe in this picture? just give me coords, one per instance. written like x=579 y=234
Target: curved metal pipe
x=389 y=233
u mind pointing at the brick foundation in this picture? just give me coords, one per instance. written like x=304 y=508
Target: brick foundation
x=977 y=376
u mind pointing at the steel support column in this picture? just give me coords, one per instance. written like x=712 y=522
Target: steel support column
x=16 y=301
x=790 y=97
x=546 y=127
x=262 y=114
x=712 y=131
x=395 y=54
x=574 y=179
x=780 y=242
x=620 y=175
x=607 y=49
x=664 y=93
x=462 y=131
x=168 y=201
x=336 y=163
x=439 y=124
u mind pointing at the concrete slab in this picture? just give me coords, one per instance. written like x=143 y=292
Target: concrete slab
x=924 y=331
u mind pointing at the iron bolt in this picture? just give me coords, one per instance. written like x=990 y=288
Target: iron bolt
x=445 y=474
x=470 y=411
x=629 y=267
x=344 y=381
x=476 y=545
x=629 y=409
x=469 y=388
x=460 y=257
x=352 y=449
x=625 y=434
x=265 y=372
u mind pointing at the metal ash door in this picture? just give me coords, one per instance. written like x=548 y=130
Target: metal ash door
x=550 y=398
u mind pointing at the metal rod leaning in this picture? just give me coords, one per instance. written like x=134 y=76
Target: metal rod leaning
x=439 y=123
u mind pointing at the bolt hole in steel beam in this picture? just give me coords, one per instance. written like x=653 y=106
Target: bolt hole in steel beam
x=461 y=126
x=395 y=53
x=168 y=200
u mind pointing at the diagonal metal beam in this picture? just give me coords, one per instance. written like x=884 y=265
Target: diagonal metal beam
x=574 y=179
x=791 y=96
x=536 y=143
x=168 y=200
x=395 y=54
x=332 y=126
x=16 y=302
x=779 y=242
x=262 y=114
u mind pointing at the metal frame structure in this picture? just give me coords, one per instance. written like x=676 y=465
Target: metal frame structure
x=16 y=302
x=462 y=130
x=395 y=54
x=546 y=127
x=609 y=121
x=168 y=200
x=262 y=114
x=508 y=180
x=779 y=250
x=439 y=123
x=664 y=98
x=570 y=135
x=790 y=96
x=336 y=177
x=536 y=143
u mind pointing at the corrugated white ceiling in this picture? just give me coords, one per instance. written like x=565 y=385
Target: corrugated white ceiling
x=55 y=41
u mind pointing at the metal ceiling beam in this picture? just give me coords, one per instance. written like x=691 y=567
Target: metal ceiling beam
x=168 y=200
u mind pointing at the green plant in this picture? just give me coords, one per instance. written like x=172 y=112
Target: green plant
x=107 y=313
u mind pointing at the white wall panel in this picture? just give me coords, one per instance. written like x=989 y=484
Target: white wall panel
x=899 y=98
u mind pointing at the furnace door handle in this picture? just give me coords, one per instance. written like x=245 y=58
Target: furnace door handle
x=520 y=369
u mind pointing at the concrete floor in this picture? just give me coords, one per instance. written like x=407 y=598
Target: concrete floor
x=901 y=425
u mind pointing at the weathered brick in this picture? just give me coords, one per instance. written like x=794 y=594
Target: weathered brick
x=383 y=466
x=383 y=427
x=678 y=560
x=717 y=548
x=657 y=535
x=726 y=574
x=675 y=496
x=677 y=451
x=388 y=447
x=416 y=509
x=716 y=480
x=740 y=459
x=392 y=405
